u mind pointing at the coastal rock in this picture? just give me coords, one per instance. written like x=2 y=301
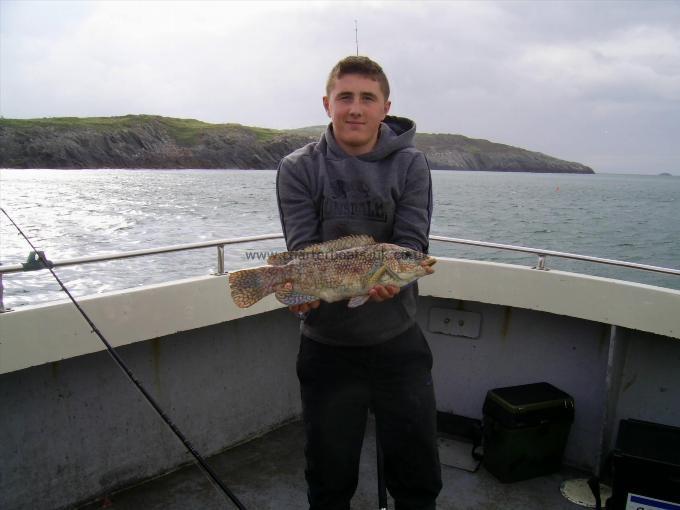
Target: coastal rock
x=457 y=152
x=145 y=141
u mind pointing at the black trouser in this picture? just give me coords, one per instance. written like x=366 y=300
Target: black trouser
x=338 y=384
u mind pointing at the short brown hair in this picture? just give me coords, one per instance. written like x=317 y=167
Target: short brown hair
x=363 y=66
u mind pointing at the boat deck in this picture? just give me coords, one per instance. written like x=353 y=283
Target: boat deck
x=268 y=473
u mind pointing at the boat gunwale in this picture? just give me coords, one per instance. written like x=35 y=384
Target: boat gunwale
x=38 y=334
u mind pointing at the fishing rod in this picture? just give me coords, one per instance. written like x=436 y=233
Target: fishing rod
x=130 y=375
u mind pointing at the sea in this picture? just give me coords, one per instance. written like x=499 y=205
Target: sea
x=76 y=213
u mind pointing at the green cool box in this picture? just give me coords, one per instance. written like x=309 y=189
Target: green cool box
x=525 y=430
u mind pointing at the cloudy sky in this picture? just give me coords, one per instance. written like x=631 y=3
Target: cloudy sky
x=596 y=82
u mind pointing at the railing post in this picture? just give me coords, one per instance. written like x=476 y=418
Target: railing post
x=2 y=303
x=220 y=259
x=541 y=263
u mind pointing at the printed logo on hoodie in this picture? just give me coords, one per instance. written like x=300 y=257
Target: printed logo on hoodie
x=352 y=199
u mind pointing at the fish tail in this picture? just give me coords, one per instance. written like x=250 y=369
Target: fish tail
x=250 y=285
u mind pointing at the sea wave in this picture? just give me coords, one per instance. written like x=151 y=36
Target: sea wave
x=73 y=213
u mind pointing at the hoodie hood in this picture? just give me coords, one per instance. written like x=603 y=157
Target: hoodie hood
x=396 y=133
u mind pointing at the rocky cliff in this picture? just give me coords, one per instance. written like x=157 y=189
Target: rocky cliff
x=143 y=141
x=457 y=152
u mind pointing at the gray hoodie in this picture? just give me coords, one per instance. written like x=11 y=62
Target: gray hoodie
x=323 y=194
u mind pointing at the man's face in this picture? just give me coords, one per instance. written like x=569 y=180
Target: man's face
x=356 y=106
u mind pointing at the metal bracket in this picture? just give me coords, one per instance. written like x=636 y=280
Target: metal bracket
x=34 y=262
x=454 y=322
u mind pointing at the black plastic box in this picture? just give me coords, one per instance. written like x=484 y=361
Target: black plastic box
x=525 y=430
x=645 y=464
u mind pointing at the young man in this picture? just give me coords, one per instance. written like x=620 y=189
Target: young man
x=364 y=176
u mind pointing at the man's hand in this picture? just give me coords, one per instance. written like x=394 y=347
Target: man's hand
x=428 y=269
x=304 y=307
x=380 y=293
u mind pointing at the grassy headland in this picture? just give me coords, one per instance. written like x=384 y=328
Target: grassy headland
x=150 y=141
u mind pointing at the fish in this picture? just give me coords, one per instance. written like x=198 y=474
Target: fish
x=344 y=268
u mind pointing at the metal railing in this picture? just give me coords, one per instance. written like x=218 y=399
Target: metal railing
x=542 y=254
x=33 y=263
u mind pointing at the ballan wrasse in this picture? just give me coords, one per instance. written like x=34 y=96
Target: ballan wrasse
x=346 y=268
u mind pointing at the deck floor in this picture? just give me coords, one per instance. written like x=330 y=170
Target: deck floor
x=268 y=473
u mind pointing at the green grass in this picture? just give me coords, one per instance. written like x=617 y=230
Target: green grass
x=264 y=134
x=184 y=131
x=75 y=122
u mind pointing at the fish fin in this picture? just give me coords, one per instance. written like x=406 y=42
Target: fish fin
x=375 y=277
x=250 y=285
x=342 y=243
x=357 y=301
x=393 y=274
x=290 y=297
x=281 y=259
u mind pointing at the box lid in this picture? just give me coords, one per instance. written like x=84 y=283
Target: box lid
x=649 y=441
x=530 y=397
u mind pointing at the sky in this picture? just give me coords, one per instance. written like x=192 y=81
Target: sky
x=596 y=82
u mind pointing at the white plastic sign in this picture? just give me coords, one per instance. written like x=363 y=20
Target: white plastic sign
x=636 y=502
